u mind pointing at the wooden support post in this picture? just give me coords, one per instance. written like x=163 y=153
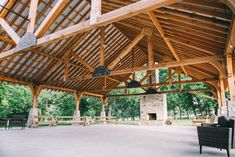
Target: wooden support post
x=170 y=76
x=231 y=84
x=32 y=15
x=126 y=89
x=179 y=79
x=102 y=49
x=35 y=91
x=229 y=58
x=77 y=101
x=104 y=101
x=222 y=90
x=219 y=98
x=95 y=11
x=150 y=51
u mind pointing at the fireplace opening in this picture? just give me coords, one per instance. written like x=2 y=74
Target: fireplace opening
x=152 y=116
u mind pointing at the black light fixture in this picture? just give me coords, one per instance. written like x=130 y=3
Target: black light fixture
x=101 y=71
x=133 y=84
x=151 y=90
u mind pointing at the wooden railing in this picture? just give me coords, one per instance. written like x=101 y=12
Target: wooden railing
x=43 y=120
x=69 y=119
x=106 y=119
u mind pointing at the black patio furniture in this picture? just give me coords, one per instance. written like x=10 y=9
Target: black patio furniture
x=219 y=135
x=3 y=122
x=17 y=121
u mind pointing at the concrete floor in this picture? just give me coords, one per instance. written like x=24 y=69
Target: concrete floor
x=104 y=141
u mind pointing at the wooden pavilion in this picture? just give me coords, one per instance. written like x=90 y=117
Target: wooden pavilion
x=89 y=47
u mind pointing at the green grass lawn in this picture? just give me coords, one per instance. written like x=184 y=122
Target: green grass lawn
x=182 y=122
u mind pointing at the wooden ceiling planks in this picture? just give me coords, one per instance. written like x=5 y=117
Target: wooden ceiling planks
x=195 y=28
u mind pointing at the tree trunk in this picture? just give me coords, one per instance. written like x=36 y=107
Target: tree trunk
x=194 y=112
x=188 y=113
x=180 y=109
x=174 y=114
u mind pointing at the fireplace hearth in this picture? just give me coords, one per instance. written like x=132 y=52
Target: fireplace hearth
x=153 y=109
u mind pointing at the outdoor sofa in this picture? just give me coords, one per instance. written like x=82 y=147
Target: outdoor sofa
x=3 y=122
x=17 y=121
x=219 y=135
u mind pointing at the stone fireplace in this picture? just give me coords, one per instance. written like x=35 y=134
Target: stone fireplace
x=153 y=109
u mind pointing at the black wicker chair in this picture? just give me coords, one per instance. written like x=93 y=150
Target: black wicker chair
x=17 y=121
x=3 y=122
x=219 y=135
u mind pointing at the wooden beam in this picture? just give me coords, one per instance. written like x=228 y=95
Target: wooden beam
x=92 y=94
x=95 y=11
x=167 y=41
x=9 y=30
x=84 y=63
x=105 y=19
x=7 y=40
x=194 y=61
x=102 y=50
x=163 y=92
x=32 y=15
x=220 y=68
x=231 y=4
x=58 y=88
x=155 y=85
x=202 y=95
x=47 y=22
x=126 y=50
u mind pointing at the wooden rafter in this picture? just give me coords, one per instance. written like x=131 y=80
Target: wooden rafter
x=4 y=12
x=50 y=18
x=167 y=41
x=9 y=30
x=202 y=95
x=126 y=50
x=163 y=92
x=199 y=60
x=102 y=49
x=156 y=84
x=192 y=35
x=108 y=18
x=95 y=11
x=32 y=15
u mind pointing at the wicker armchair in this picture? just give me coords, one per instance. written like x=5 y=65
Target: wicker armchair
x=17 y=121
x=219 y=136
x=3 y=122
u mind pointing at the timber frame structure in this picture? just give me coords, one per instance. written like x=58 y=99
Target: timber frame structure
x=58 y=44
